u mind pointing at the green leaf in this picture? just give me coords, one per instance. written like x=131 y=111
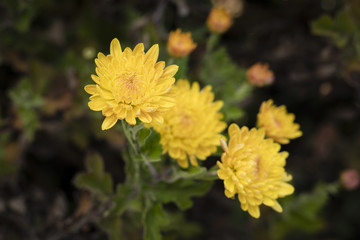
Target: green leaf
x=183 y=67
x=121 y=200
x=154 y=218
x=219 y=70
x=95 y=179
x=339 y=29
x=180 y=192
x=232 y=113
x=303 y=212
x=113 y=227
x=152 y=148
x=357 y=42
x=143 y=135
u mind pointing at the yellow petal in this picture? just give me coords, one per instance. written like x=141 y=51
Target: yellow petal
x=152 y=54
x=277 y=207
x=109 y=122
x=130 y=117
x=254 y=211
x=169 y=71
x=233 y=129
x=95 y=78
x=183 y=163
x=115 y=48
x=90 y=89
x=97 y=105
x=139 y=49
x=193 y=160
x=145 y=117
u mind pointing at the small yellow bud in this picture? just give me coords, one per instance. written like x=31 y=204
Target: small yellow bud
x=260 y=75
x=180 y=44
x=219 y=20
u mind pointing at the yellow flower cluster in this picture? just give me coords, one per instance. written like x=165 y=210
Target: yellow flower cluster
x=278 y=123
x=192 y=128
x=253 y=168
x=180 y=44
x=131 y=84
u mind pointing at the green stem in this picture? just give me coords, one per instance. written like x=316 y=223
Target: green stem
x=137 y=154
x=212 y=42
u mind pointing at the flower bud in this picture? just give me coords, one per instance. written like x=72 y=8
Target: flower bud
x=350 y=179
x=180 y=44
x=219 y=20
x=260 y=75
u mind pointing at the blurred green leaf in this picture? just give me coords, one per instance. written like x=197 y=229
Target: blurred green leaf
x=113 y=227
x=198 y=173
x=180 y=192
x=230 y=80
x=232 y=113
x=303 y=212
x=26 y=101
x=152 y=148
x=154 y=218
x=121 y=200
x=183 y=67
x=339 y=29
x=143 y=134
x=95 y=179
x=6 y=167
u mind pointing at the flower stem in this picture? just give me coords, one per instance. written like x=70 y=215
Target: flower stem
x=212 y=42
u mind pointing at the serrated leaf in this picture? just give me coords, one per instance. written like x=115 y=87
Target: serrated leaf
x=100 y=186
x=199 y=173
x=113 y=227
x=339 y=29
x=219 y=70
x=94 y=164
x=303 y=212
x=152 y=148
x=154 y=218
x=143 y=135
x=121 y=200
x=232 y=113
x=180 y=192
x=95 y=179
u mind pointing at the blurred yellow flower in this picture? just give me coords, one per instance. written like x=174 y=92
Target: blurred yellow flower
x=234 y=7
x=192 y=128
x=180 y=44
x=253 y=168
x=278 y=123
x=260 y=75
x=219 y=20
x=131 y=84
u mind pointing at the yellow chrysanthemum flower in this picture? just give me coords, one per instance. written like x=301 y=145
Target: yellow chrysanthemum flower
x=192 y=128
x=131 y=84
x=180 y=44
x=278 y=123
x=253 y=168
x=219 y=20
x=234 y=7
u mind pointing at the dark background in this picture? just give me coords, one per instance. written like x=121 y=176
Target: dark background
x=47 y=42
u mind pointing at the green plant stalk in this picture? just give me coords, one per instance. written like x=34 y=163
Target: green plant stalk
x=211 y=42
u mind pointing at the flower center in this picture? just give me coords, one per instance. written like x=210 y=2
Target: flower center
x=186 y=120
x=129 y=87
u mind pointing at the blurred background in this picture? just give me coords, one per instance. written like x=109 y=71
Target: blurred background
x=47 y=52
